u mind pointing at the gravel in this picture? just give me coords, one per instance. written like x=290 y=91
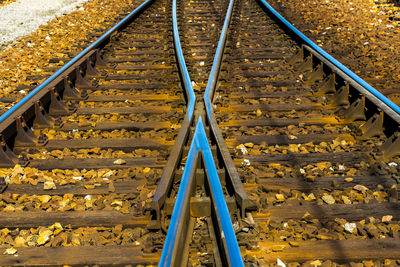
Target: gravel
x=25 y=16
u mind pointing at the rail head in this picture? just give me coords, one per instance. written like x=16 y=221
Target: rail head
x=233 y=176
x=168 y=175
x=214 y=73
x=187 y=82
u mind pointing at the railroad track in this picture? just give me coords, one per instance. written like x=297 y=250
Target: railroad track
x=311 y=147
x=101 y=134
x=201 y=133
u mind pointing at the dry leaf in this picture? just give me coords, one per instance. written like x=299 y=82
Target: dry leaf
x=387 y=218
x=360 y=188
x=119 y=162
x=89 y=186
x=44 y=198
x=10 y=251
x=49 y=185
x=111 y=187
x=44 y=236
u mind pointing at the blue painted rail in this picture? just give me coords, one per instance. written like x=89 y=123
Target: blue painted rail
x=305 y=40
x=200 y=144
x=182 y=64
x=212 y=79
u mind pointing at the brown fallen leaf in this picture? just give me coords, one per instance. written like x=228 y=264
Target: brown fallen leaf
x=387 y=218
x=360 y=188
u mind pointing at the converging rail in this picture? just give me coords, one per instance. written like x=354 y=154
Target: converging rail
x=91 y=142
x=201 y=133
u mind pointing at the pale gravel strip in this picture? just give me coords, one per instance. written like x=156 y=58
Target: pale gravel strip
x=22 y=17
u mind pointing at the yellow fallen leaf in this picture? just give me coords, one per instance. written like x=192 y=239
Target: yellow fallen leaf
x=89 y=186
x=5 y=231
x=44 y=236
x=360 y=188
x=49 y=185
x=44 y=198
x=10 y=251
x=250 y=145
x=56 y=226
x=20 y=241
x=9 y=208
x=116 y=202
x=75 y=241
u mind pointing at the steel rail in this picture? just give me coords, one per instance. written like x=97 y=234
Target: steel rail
x=172 y=254
x=240 y=194
x=166 y=180
x=227 y=235
x=99 y=42
x=305 y=40
x=182 y=64
x=212 y=79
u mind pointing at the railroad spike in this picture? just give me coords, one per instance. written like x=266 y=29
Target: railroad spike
x=42 y=118
x=328 y=85
x=373 y=127
x=57 y=105
x=7 y=156
x=317 y=74
x=25 y=137
x=341 y=97
x=356 y=111
x=391 y=147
